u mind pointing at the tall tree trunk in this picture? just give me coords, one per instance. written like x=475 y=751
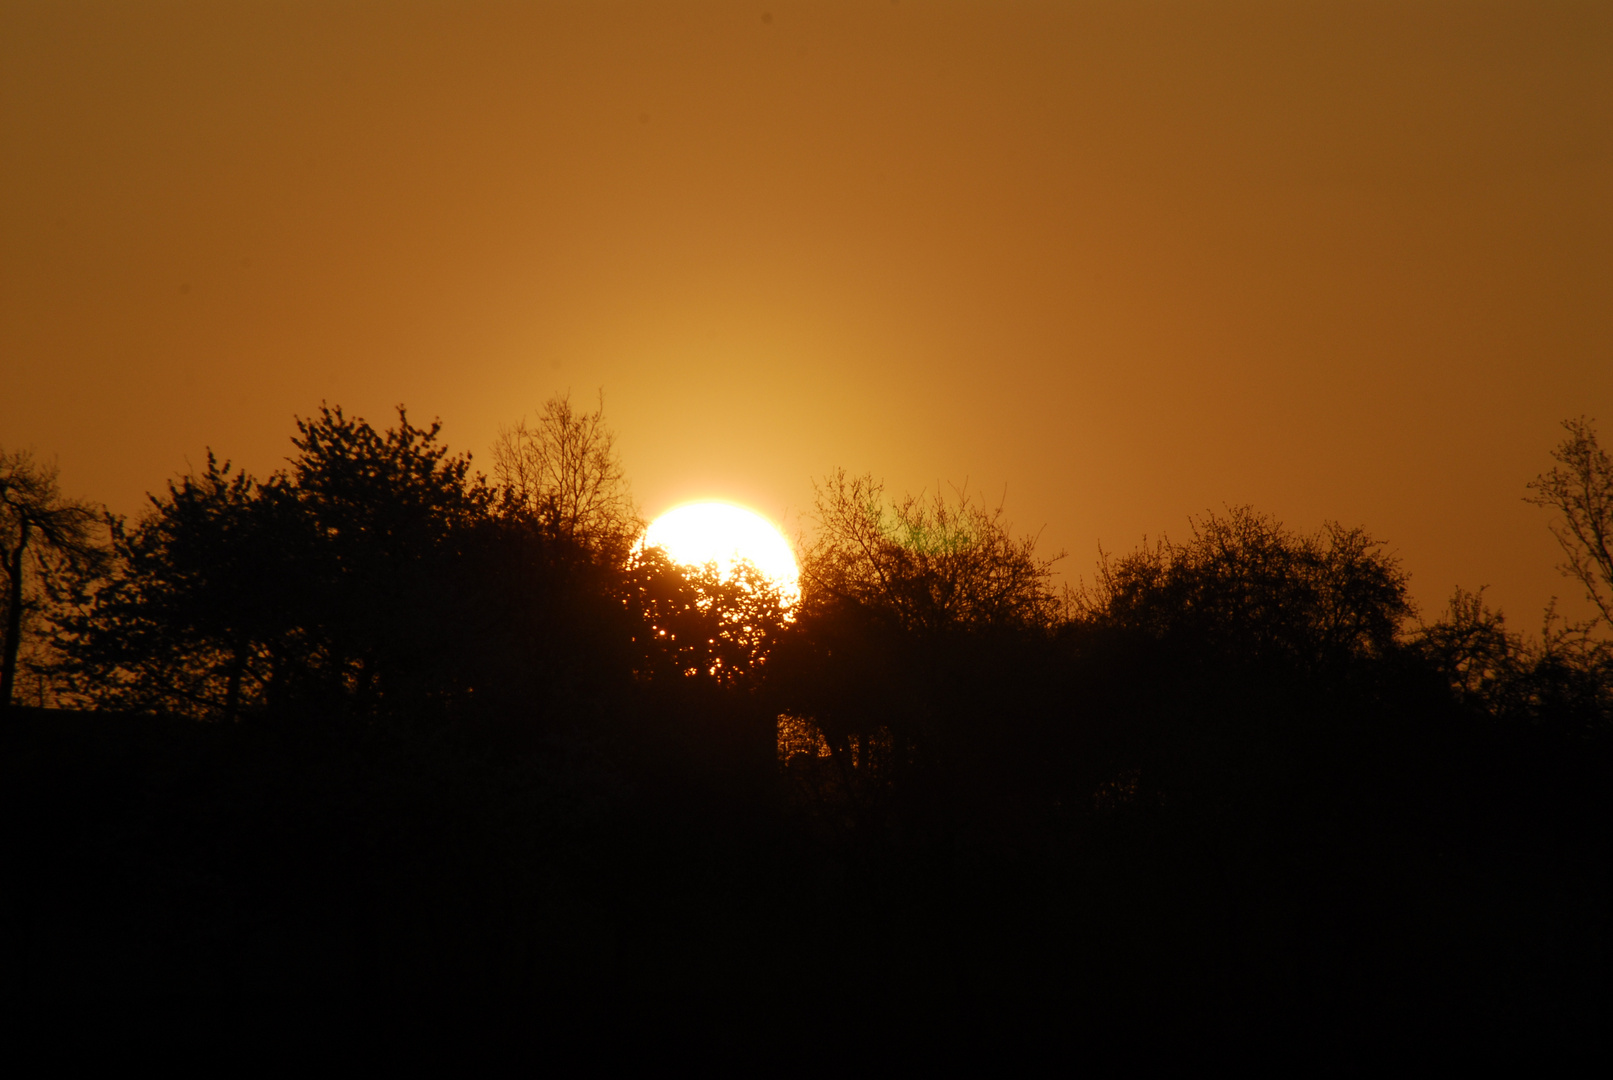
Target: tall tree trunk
x=13 y=643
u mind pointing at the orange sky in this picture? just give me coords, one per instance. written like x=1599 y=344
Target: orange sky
x=1129 y=261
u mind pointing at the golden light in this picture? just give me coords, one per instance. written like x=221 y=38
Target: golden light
x=696 y=534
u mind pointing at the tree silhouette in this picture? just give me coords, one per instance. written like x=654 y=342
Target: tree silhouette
x=1580 y=488
x=922 y=564
x=698 y=622
x=333 y=586
x=1562 y=679
x=383 y=518
x=1470 y=645
x=46 y=541
x=922 y=621
x=564 y=472
x=1245 y=586
x=484 y=745
x=197 y=617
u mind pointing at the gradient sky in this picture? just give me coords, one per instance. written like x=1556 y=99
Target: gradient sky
x=1125 y=262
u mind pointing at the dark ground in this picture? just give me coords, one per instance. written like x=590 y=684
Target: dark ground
x=167 y=867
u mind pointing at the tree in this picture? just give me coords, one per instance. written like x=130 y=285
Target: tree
x=917 y=627
x=194 y=619
x=45 y=541
x=384 y=521
x=923 y=564
x=334 y=586
x=564 y=472
x=1250 y=590
x=700 y=623
x=1563 y=679
x=1580 y=488
x=1472 y=649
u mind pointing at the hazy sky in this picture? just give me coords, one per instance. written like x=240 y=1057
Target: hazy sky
x=1125 y=261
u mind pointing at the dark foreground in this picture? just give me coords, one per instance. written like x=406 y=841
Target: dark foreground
x=246 y=870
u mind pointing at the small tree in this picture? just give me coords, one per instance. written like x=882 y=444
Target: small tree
x=1580 y=488
x=563 y=471
x=46 y=541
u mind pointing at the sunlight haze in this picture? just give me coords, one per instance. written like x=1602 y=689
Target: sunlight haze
x=1118 y=264
x=703 y=533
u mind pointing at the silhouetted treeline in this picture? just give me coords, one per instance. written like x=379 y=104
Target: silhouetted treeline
x=375 y=729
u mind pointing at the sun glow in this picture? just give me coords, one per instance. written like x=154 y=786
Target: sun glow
x=696 y=534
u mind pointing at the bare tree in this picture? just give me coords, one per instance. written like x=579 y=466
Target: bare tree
x=45 y=541
x=564 y=471
x=926 y=563
x=1580 y=488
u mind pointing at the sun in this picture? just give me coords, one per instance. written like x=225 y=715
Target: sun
x=695 y=534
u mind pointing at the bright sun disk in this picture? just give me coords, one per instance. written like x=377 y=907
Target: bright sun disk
x=695 y=534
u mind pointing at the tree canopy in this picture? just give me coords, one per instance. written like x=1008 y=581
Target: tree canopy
x=923 y=564
x=49 y=545
x=469 y=733
x=1245 y=587
x=563 y=471
x=1580 y=488
x=328 y=586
